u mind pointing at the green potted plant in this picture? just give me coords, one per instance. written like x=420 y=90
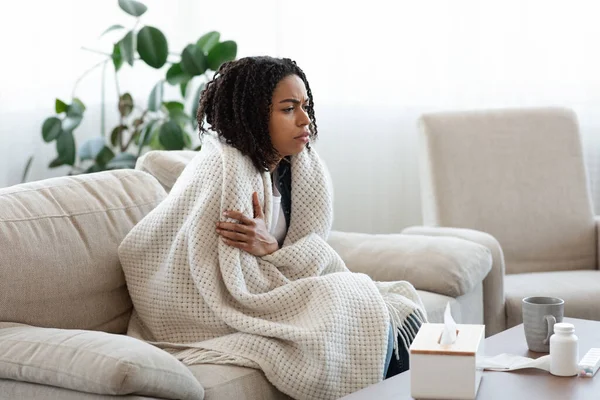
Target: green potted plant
x=159 y=124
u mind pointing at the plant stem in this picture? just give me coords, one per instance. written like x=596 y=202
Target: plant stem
x=120 y=138
x=96 y=51
x=26 y=170
x=83 y=76
x=103 y=101
x=134 y=130
x=110 y=55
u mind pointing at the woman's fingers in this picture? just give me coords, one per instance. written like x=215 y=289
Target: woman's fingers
x=230 y=226
x=233 y=243
x=240 y=217
x=240 y=237
x=257 y=208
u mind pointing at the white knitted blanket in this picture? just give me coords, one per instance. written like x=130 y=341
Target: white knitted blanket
x=317 y=330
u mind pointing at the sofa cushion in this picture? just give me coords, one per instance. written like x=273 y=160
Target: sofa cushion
x=93 y=362
x=165 y=166
x=233 y=382
x=59 y=265
x=444 y=265
x=579 y=289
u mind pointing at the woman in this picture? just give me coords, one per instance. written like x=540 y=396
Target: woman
x=233 y=267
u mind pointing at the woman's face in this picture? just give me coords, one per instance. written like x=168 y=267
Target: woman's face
x=289 y=122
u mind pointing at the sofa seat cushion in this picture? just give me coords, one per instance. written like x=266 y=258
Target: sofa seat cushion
x=233 y=382
x=93 y=362
x=59 y=265
x=579 y=289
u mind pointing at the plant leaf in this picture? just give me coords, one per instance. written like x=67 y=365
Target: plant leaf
x=146 y=135
x=156 y=97
x=171 y=136
x=90 y=149
x=94 y=168
x=183 y=87
x=112 y=28
x=193 y=60
x=125 y=104
x=57 y=162
x=51 y=129
x=196 y=104
x=74 y=116
x=151 y=137
x=115 y=135
x=65 y=147
x=180 y=117
x=116 y=56
x=175 y=75
x=127 y=47
x=60 y=106
x=122 y=160
x=104 y=156
x=187 y=140
x=132 y=7
x=222 y=52
x=71 y=122
x=155 y=141
x=152 y=46
x=136 y=137
x=77 y=107
x=208 y=41
x=173 y=105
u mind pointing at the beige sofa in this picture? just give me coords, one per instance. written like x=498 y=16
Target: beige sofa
x=514 y=180
x=64 y=306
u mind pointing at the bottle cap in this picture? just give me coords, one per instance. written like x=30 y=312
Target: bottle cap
x=564 y=327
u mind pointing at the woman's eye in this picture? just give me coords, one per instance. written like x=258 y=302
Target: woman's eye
x=287 y=110
x=306 y=107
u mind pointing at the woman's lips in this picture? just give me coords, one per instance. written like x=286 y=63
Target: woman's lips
x=303 y=138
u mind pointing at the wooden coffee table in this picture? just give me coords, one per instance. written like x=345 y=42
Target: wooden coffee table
x=521 y=384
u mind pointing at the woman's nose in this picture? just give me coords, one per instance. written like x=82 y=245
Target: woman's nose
x=304 y=118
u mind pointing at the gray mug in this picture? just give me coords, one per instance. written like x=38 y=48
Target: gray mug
x=539 y=316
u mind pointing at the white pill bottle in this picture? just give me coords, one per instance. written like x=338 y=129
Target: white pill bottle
x=564 y=350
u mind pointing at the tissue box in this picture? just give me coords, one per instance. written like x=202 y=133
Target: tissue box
x=446 y=371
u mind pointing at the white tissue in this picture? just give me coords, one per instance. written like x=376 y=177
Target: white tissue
x=511 y=362
x=449 y=333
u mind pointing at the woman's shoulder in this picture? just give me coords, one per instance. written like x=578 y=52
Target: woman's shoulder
x=215 y=153
x=216 y=146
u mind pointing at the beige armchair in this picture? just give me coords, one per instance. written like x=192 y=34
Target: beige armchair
x=514 y=181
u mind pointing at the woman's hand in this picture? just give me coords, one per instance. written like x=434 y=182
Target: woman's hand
x=250 y=235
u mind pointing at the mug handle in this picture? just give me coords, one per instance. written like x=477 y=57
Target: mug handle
x=550 y=320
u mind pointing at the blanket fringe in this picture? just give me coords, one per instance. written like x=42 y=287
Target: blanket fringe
x=400 y=322
x=194 y=355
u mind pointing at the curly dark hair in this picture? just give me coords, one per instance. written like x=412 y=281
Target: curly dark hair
x=236 y=104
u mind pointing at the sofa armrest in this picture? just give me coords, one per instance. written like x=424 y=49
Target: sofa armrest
x=493 y=284
x=444 y=265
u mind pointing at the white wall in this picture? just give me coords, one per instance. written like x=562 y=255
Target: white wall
x=374 y=68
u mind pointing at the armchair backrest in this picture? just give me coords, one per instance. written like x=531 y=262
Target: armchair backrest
x=518 y=175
